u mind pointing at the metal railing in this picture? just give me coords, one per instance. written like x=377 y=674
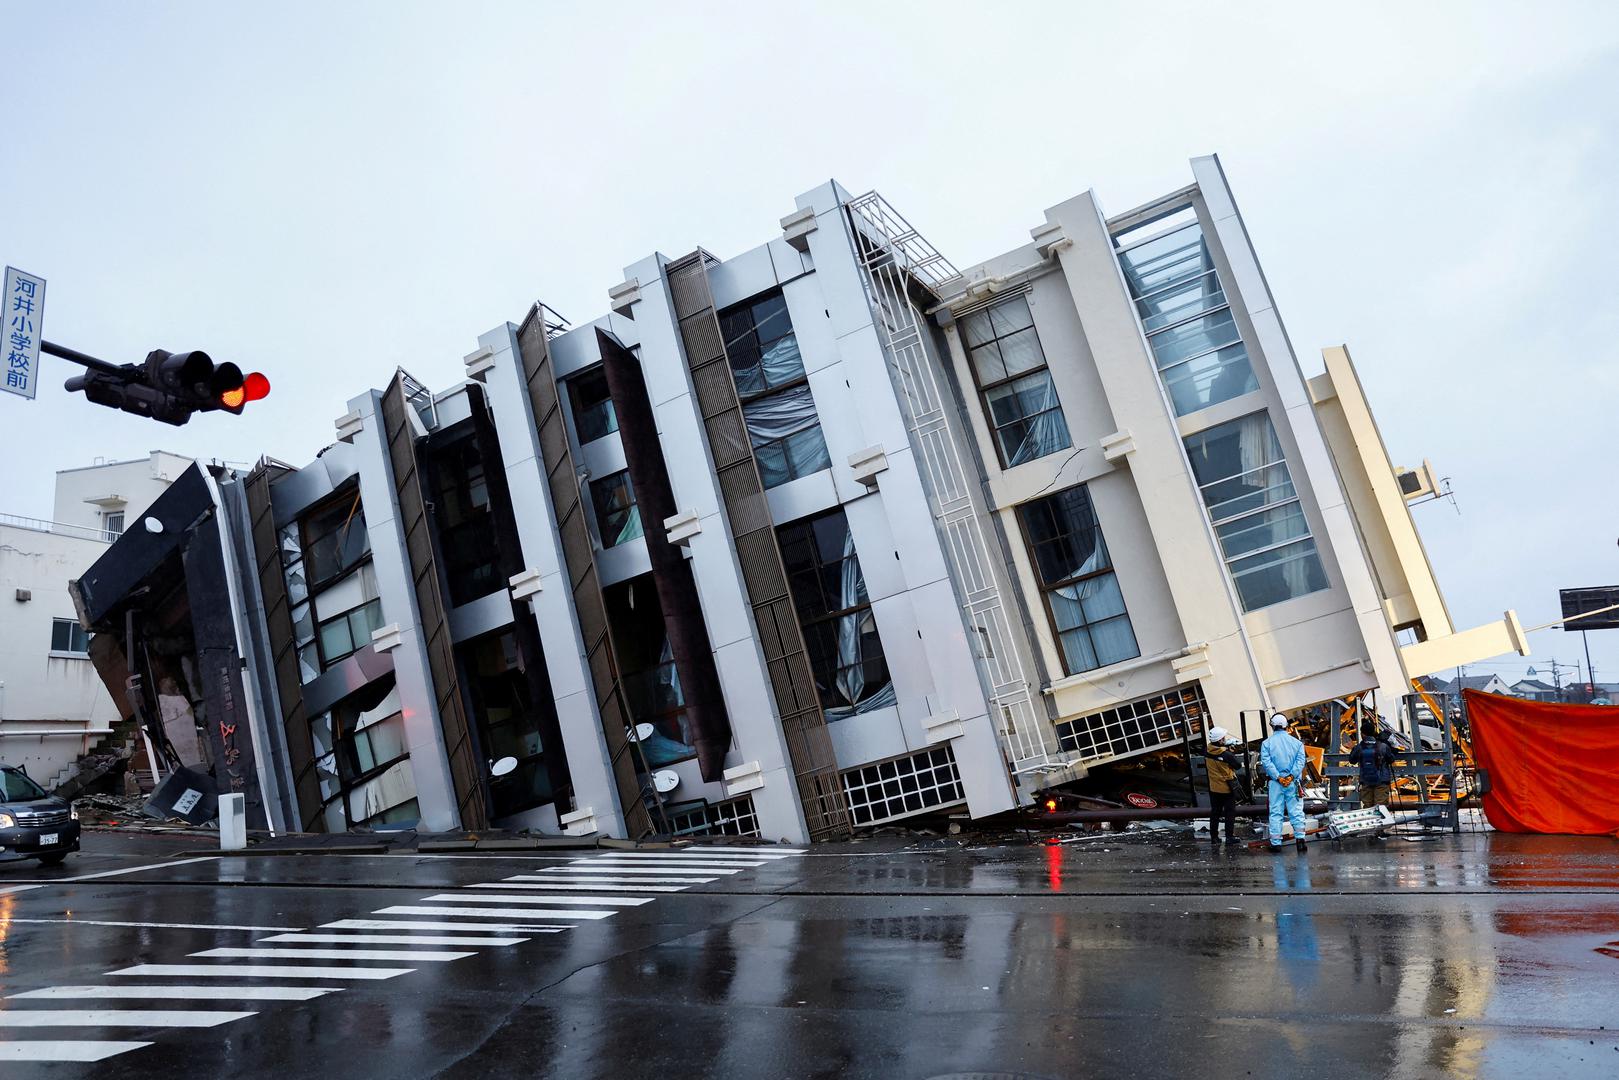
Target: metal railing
x=58 y=528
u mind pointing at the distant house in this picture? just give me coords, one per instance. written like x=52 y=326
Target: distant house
x=1489 y=684
x=1534 y=690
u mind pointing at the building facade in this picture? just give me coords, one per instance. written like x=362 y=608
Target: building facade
x=53 y=705
x=828 y=534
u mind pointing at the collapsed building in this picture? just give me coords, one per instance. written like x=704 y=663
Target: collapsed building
x=820 y=536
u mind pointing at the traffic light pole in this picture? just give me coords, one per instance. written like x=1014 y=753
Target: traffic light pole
x=76 y=357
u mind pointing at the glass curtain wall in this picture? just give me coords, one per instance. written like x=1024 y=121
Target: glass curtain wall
x=1249 y=493
x=1187 y=319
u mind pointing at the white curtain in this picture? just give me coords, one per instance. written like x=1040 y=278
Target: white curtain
x=851 y=678
x=1046 y=432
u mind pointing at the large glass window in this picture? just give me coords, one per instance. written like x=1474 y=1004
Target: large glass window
x=461 y=513
x=335 y=539
x=1183 y=309
x=1081 y=591
x=1256 y=512
x=1010 y=369
x=777 y=406
x=845 y=651
x=508 y=720
x=647 y=674
x=593 y=414
x=618 y=519
x=361 y=760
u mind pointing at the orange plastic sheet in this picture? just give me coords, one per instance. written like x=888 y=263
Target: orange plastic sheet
x=1553 y=768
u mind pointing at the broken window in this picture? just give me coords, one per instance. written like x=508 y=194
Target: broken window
x=834 y=612
x=647 y=675
x=1081 y=591
x=463 y=519
x=777 y=406
x=508 y=719
x=618 y=519
x=593 y=415
x=1009 y=366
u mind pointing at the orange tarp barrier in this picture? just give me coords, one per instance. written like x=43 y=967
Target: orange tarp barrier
x=1553 y=768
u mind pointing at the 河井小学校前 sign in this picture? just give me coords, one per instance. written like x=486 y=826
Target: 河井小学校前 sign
x=24 y=307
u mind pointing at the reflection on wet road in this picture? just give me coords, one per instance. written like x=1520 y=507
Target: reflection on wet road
x=1466 y=956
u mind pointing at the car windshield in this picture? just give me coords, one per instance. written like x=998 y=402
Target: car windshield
x=15 y=787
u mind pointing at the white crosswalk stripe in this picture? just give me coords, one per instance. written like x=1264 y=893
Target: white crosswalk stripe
x=631 y=868
x=155 y=1018
x=262 y=971
x=472 y=911
x=394 y=939
x=399 y=956
x=68 y=1050
x=567 y=898
x=573 y=883
x=632 y=859
x=576 y=878
x=461 y=925
x=197 y=993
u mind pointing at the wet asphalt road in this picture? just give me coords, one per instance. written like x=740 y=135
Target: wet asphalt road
x=1469 y=956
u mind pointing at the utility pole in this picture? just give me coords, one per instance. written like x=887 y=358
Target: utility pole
x=1590 y=672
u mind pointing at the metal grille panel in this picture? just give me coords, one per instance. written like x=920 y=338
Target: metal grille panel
x=898 y=788
x=734 y=817
x=1137 y=727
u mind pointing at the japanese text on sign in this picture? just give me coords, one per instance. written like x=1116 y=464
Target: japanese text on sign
x=23 y=306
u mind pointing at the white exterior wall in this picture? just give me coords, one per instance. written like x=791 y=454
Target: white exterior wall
x=84 y=495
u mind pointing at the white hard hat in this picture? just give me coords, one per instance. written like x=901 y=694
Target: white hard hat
x=1277 y=720
x=1218 y=734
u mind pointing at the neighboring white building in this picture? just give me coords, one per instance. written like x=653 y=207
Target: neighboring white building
x=53 y=706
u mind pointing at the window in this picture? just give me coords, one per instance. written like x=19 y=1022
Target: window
x=112 y=523
x=349 y=632
x=334 y=540
x=17 y=787
x=67 y=636
x=1188 y=322
x=1010 y=369
x=618 y=519
x=1255 y=509
x=361 y=760
x=1081 y=591
x=845 y=651
x=734 y=817
x=593 y=414
x=777 y=406
x=508 y=720
x=462 y=517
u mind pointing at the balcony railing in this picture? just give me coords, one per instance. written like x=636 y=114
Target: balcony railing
x=58 y=528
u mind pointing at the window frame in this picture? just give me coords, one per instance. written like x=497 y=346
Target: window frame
x=107 y=518
x=1033 y=551
x=75 y=631
x=750 y=397
x=984 y=388
x=356 y=511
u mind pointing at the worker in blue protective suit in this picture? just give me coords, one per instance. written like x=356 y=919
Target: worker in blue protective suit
x=1282 y=758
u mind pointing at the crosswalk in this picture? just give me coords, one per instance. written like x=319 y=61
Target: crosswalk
x=438 y=928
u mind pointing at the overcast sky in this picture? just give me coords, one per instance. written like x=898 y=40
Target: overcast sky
x=327 y=191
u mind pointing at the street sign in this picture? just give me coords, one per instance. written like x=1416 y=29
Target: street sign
x=24 y=308
x=1578 y=601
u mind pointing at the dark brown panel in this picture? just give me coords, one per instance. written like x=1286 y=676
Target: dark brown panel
x=815 y=768
x=589 y=607
x=689 y=647
x=465 y=774
x=278 y=619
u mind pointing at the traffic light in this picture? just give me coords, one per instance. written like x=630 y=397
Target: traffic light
x=170 y=387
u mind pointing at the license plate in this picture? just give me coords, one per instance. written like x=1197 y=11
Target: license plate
x=48 y=839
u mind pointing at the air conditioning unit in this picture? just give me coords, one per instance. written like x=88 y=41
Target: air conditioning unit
x=1417 y=483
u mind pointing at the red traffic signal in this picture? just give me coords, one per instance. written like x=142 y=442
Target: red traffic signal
x=253 y=388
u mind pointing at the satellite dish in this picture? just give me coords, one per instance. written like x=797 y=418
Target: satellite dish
x=665 y=780
x=503 y=766
x=153 y=525
x=642 y=732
